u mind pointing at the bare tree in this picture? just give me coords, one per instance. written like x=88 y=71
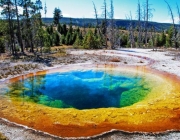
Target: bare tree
x=146 y=20
x=178 y=12
x=147 y=16
x=96 y=16
x=111 y=28
x=174 y=38
x=131 y=31
x=104 y=23
x=178 y=29
x=152 y=37
x=18 y=26
x=139 y=26
x=45 y=9
x=170 y=10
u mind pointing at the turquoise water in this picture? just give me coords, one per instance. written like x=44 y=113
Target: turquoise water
x=80 y=89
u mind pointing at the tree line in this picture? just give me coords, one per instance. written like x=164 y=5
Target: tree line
x=20 y=32
x=138 y=35
x=141 y=34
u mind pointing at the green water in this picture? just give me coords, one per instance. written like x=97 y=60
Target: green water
x=80 y=89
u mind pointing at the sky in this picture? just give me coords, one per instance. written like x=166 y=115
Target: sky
x=122 y=8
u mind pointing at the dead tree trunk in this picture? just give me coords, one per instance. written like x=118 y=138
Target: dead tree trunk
x=146 y=22
x=96 y=16
x=105 y=21
x=139 y=41
x=11 y=30
x=18 y=29
x=152 y=38
x=131 y=31
x=178 y=28
x=112 y=26
x=174 y=38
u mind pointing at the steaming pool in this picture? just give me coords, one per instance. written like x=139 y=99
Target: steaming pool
x=89 y=100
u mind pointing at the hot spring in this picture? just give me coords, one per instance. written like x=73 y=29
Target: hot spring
x=91 y=100
x=90 y=89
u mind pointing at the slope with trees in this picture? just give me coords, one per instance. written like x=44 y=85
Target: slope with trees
x=26 y=32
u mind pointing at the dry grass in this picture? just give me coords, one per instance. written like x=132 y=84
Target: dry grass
x=58 y=54
x=61 y=47
x=60 y=51
x=115 y=60
x=2 y=137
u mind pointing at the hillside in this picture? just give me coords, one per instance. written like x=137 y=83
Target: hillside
x=119 y=22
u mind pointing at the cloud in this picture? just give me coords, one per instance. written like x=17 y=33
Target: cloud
x=20 y=9
x=0 y=10
x=92 y=14
x=117 y=17
x=176 y=20
x=166 y=21
x=66 y=15
x=169 y=20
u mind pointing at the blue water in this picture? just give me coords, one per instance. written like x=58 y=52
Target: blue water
x=79 y=89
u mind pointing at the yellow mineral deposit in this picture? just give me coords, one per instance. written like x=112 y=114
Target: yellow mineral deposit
x=158 y=112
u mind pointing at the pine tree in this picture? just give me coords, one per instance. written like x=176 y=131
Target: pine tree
x=56 y=39
x=38 y=6
x=168 y=40
x=50 y=30
x=3 y=33
x=163 y=39
x=59 y=29
x=27 y=28
x=68 y=38
x=64 y=30
x=124 y=40
x=47 y=41
x=90 y=41
x=70 y=27
x=57 y=16
x=9 y=13
x=170 y=36
x=36 y=23
x=157 y=41
x=62 y=39
x=78 y=43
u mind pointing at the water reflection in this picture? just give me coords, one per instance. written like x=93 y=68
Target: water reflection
x=80 y=89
